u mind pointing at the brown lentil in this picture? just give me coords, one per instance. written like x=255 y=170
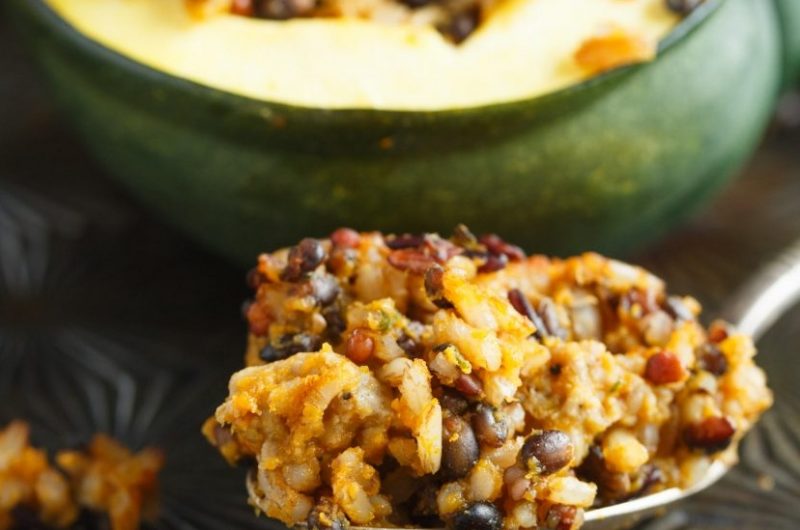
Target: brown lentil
x=469 y=385
x=562 y=517
x=664 y=368
x=496 y=245
x=345 y=237
x=434 y=286
x=493 y=263
x=410 y=259
x=718 y=332
x=711 y=435
x=524 y=308
x=549 y=315
x=360 y=346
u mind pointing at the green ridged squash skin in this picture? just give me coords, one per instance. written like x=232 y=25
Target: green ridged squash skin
x=604 y=165
x=789 y=14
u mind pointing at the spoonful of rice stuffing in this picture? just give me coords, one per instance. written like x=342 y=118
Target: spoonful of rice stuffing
x=429 y=382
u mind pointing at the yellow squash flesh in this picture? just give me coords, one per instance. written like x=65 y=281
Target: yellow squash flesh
x=525 y=48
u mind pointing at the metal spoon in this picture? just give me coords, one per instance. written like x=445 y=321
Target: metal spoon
x=752 y=309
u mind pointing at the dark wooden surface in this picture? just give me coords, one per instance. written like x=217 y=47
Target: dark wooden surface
x=110 y=321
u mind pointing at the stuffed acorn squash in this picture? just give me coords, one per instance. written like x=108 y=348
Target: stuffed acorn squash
x=382 y=54
x=248 y=126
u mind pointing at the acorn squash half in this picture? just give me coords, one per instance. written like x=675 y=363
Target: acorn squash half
x=601 y=163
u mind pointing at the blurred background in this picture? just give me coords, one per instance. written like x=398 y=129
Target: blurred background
x=138 y=327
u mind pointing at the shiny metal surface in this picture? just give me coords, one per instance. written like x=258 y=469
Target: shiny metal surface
x=767 y=295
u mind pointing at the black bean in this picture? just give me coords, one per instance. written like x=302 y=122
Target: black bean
x=409 y=345
x=460 y=449
x=612 y=486
x=270 y=353
x=713 y=360
x=683 y=7
x=289 y=345
x=546 y=452
x=454 y=402
x=711 y=435
x=664 y=368
x=360 y=346
x=326 y=515
x=303 y=259
x=478 y=516
x=335 y=323
x=524 y=308
x=325 y=289
x=491 y=429
x=434 y=287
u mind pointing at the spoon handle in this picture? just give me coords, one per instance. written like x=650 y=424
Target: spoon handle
x=767 y=295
